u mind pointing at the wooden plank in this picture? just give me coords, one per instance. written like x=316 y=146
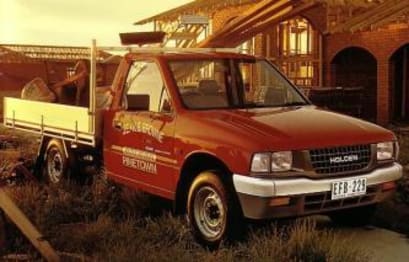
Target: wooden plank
x=274 y=19
x=238 y=37
x=197 y=30
x=371 y=16
x=381 y=15
x=249 y=17
x=392 y=18
x=26 y=227
x=182 y=36
x=260 y=15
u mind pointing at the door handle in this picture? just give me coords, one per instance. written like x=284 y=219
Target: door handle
x=118 y=126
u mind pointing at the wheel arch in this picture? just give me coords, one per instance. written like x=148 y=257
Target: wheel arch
x=194 y=164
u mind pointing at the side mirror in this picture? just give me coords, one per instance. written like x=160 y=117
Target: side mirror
x=165 y=108
x=137 y=102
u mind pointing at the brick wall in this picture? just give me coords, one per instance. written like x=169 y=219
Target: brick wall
x=382 y=44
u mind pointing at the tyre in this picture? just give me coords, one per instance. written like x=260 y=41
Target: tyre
x=358 y=216
x=56 y=165
x=212 y=212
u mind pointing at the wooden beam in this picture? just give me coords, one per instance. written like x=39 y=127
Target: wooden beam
x=249 y=17
x=363 y=17
x=197 y=30
x=237 y=38
x=379 y=16
x=282 y=15
x=26 y=227
x=279 y=17
x=391 y=18
x=259 y=15
x=182 y=36
x=343 y=3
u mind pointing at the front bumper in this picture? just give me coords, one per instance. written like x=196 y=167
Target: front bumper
x=307 y=196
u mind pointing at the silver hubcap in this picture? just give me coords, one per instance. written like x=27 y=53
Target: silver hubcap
x=55 y=166
x=209 y=212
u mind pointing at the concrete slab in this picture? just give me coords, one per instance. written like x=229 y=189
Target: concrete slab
x=383 y=245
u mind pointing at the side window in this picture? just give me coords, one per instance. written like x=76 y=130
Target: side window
x=144 y=87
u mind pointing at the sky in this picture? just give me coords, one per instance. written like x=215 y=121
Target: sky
x=75 y=22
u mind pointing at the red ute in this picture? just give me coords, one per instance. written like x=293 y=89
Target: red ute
x=226 y=137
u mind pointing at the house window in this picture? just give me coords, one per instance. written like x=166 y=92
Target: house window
x=297 y=37
x=294 y=47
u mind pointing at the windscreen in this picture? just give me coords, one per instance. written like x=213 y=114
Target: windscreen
x=232 y=83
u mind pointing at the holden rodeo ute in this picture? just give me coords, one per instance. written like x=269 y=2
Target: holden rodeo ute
x=224 y=135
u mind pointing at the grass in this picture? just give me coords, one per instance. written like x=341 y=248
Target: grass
x=106 y=223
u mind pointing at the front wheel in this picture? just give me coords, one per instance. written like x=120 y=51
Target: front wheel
x=212 y=213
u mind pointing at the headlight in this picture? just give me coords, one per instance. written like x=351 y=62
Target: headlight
x=261 y=163
x=384 y=151
x=281 y=161
x=272 y=162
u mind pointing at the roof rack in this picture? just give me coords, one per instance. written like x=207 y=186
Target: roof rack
x=133 y=49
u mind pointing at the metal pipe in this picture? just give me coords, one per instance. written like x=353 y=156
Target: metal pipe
x=321 y=60
x=92 y=86
x=404 y=82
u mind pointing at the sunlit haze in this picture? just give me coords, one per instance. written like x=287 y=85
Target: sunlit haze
x=74 y=22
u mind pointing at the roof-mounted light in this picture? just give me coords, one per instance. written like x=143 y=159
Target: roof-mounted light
x=142 y=38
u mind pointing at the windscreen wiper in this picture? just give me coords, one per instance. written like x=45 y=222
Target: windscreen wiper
x=294 y=104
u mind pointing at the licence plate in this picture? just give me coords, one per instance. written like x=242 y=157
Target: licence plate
x=348 y=188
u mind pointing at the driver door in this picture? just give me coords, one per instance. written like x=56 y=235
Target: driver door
x=140 y=148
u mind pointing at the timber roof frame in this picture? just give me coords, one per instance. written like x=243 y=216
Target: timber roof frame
x=386 y=12
x=212 y=5
x=193 y=7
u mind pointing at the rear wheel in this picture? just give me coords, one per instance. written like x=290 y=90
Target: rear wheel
x=56 y=163
x=212 y=213
x=358 y=216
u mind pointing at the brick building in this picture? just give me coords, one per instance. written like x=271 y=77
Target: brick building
x=320 y=44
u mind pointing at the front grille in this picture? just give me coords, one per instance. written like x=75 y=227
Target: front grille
x=340 y=159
